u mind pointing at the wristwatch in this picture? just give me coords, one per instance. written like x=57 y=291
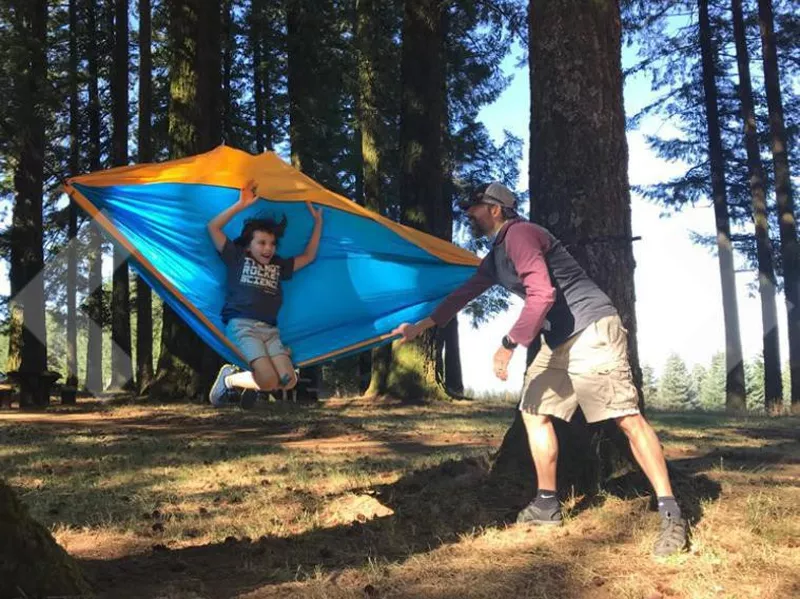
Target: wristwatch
x=507 y=343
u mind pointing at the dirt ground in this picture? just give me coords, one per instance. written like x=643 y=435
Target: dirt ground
x=356 y=498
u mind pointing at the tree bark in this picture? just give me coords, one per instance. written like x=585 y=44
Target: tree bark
x=790 y=249
x=32 y=564
x=144 y=296
x=734 y=387
x=368 y=125
x=121 y=366
x=773 y=392
x=27 y=254
x=94 y=303
x=413 y=373
x=186 y=366
x=72 y=227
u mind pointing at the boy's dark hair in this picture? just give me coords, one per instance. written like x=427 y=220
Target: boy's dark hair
x=261 y=223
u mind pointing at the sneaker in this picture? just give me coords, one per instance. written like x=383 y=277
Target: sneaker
x=672 y=538
x=536 y=515
x=219 y=389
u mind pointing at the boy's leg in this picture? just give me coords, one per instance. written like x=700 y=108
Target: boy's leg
x=287 y=377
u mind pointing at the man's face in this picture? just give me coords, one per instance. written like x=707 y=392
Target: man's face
x=480 y=219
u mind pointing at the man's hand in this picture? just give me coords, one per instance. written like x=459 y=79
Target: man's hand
x=247 y=195
x=501 y=359
x=407 y=332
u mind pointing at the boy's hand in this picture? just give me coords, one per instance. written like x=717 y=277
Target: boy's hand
x=247 y=195
x=316 y=213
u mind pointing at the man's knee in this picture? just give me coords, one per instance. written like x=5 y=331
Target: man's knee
x=632 y=423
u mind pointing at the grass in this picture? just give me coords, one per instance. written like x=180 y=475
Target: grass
x=354 y=498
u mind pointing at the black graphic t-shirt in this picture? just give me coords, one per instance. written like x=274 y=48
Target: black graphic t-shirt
x=253 y=289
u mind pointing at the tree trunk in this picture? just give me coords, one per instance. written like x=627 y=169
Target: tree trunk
x=790 y=250
x=227 y=67
x=72 y=230
x=453 y=379
x=579 y=179
x=121 y=367
x=144 y=297
x=368 y=125
x=27 y=255
x=256 y=35
x=186 y=366
x=94 y=339
x=413 y=372
x=302 y=22
x=32 y=564
x=734 y=386
x=773 y=392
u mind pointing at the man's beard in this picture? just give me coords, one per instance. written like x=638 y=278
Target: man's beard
x=477 y=230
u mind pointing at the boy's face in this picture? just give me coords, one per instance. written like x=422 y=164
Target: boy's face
x=262 y=247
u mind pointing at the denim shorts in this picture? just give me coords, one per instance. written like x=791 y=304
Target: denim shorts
x=255 y=339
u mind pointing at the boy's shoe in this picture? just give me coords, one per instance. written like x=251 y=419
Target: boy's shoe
x=538 y=516
x=672 y=538
x=219 y=389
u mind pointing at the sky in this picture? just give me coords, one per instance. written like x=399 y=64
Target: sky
x=678 y=294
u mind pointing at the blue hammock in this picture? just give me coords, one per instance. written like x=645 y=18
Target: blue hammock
x=370 y=275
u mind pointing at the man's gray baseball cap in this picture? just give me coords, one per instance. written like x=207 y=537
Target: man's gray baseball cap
x=490 y=193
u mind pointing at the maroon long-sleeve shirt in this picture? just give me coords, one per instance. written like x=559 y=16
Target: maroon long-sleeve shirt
x=530 y=262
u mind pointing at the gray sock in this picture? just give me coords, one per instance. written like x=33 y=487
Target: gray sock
x=546 y=499
x=668 y=508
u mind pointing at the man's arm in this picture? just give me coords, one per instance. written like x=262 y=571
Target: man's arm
x=450 y=306
x=526 y=246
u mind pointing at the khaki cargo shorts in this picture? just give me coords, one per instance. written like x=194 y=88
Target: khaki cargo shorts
x=589 y=370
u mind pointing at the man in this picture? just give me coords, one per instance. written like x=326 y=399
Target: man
x=584 y=361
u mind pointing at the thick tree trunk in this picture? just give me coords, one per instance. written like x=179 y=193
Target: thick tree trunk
x=790 y=249
x=186 y=366
x=94 y=339
x=32 y=564
x=579 y=182
x=734 y=387
x=773 y=392
x=121 y=366
x=27 y=255
x=413 y=373
x=367 y=32
x=72 y=227
x=144 y=297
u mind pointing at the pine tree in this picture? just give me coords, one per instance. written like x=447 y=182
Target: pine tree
x=649 y=385
x=790 y=248
x=144 y=296
x=754 y=380
x=712 y=391
x=675 y=385
x=121 y=366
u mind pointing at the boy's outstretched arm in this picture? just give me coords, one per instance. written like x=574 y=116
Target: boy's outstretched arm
x=310 y=252
x=247 y=197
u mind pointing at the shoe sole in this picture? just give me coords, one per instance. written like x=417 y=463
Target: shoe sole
x=544 y=523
